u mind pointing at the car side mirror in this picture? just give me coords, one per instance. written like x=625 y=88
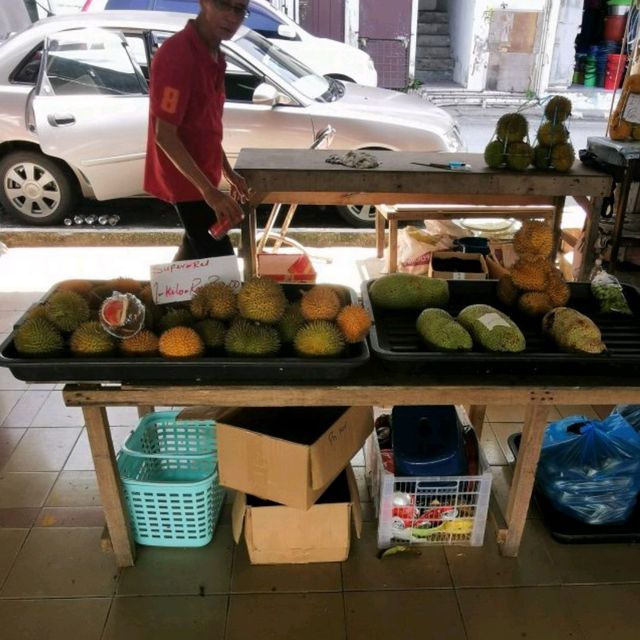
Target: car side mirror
x=267 y=94
x=286 y=31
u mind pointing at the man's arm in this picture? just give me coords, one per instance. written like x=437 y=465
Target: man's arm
x=168 y=140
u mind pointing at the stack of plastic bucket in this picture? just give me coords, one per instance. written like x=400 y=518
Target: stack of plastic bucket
x=616 y=64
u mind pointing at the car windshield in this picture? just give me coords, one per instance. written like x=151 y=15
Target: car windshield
x=307 y=82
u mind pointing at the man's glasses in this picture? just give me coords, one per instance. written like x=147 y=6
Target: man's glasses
x=229 y=7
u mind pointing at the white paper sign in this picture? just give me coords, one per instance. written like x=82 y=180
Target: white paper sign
x=632 y=109
x=178 y=281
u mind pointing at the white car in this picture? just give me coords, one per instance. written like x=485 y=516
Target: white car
x=74 y=110
x=325 y=56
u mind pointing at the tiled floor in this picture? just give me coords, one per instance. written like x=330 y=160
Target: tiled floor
x=56 y=583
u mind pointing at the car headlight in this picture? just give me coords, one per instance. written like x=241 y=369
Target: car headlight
x=454 y=139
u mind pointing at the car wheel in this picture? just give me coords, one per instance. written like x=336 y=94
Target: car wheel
x=358 y=215
x=35 y=189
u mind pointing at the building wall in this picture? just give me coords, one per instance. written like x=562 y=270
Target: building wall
x=462 y=16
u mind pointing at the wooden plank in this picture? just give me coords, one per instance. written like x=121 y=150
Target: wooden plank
x=477 y=413
x=109 y=484
x=535 y=422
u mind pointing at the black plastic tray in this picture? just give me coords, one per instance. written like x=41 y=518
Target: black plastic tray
x=395 y=341
x=568 y=530
x=215 y=368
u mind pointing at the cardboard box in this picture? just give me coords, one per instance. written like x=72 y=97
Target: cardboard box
x=477 y=259
x=286 y=267
x=275 y=534
x=289 y=455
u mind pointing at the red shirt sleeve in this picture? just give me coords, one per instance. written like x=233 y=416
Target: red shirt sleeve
x=170 y=85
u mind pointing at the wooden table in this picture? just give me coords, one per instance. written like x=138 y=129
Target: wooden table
x=371 y=385
x=303 y=176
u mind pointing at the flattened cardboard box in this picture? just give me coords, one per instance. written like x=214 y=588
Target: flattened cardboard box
x=275 y=534
x=289 y=455
x=476 y=258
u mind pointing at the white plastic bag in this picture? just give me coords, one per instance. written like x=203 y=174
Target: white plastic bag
x=415 y=247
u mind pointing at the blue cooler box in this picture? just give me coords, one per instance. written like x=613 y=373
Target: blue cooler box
x=427 y=441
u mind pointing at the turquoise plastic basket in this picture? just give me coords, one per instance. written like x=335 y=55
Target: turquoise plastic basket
x=169 y=473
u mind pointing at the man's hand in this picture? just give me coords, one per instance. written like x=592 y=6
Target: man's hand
x=225 y=207
x=239 y=188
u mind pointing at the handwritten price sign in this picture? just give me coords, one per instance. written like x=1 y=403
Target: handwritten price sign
x=178 y=281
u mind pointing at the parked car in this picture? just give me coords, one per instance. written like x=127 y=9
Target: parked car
x=325 y=56
x=74 y=110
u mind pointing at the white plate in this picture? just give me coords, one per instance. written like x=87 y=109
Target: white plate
x=487 y=224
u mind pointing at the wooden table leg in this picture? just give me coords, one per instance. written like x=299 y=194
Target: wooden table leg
x=535 y=422
x=590 y=235
x=380 y=224
x=108 y=478
x=477 y=413
x=393 y=245
x=248 y=239
x=143 y=409
x=620 y=212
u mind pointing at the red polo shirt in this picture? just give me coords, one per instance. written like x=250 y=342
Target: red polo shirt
x=186 y=90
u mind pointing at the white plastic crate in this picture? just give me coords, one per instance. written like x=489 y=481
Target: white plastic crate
x=424 y=510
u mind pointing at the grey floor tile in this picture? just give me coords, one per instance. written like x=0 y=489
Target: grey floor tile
x=70 y=517
x=248 y=578
x=600 y=610
x=9 y=439
x=502 y=431
x=8 y=400
x=10 y=542
x=534 y=613
x=500 y=487
x=364 y=571
x=19 y=300
x=9 y=382
x=162 y=618
x=312 y=616
x=167 y=571
x=19 y=517
x=577 y=410
x=486 y=567
x=403 y=614
x=80 y=458
x=74 y=489
x=54 y=413
x=26 y=409
x=43 y=449
x=8 y=318
x=505 y=413
x=25 y=489
x=595 y=563
x=491 y=447
x=53 y=619
x=63 y=563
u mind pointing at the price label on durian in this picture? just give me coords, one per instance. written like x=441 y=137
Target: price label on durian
x=632 y=109
x=178 y=281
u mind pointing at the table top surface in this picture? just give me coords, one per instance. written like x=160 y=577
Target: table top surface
x=306 y=170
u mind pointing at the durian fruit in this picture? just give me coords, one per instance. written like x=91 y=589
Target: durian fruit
x=557 y=289
x=550 y=134
x=620 y=130
x=558 y=109
x=37 y=336
x=36 y=311
x=175 y=317
x=494 y=154
x=90 y=339
x=512 y=127
x=319 y=338
x=506 y=291
x=143 y=343
x=292 y=319
x=535 y=303
x=262 y=300
x=124 y=285
x=321 y=302
x=214 y=300
x=542 y=157
x=67 y=310
x=146 y=294
x=181 y=342
x=533 y=237
x=83 y=287
x=519 y=155
x=572 y=331
x=246 y=338
x=563 y=157
x=212 y=332
x=354 y=321
x=529 y=272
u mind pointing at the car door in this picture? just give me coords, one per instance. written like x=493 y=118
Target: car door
x=247 y=124
x=90 y=108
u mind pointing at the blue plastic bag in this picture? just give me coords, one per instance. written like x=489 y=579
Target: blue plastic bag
x=590 y=469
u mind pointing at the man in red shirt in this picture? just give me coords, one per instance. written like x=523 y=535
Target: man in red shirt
x=185 y=159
